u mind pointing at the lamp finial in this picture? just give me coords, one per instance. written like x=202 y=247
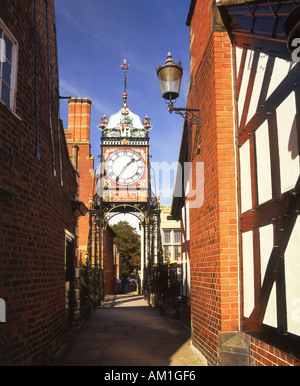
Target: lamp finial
x=125 y=67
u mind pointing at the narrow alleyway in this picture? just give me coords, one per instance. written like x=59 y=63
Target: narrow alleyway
x=127 y=332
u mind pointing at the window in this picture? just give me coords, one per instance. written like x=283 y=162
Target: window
x=167 y=237
x=177 y=253
x=8 y=66
x=69 y=257
x=177 y=237
x=167 y=254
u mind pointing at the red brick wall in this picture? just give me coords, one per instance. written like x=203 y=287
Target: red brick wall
x=264 y=355
x=213 y=245
x=33 y=220
x=86 y=189
x=214 y=233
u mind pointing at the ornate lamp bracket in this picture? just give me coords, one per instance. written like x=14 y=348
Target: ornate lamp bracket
x=193 y=116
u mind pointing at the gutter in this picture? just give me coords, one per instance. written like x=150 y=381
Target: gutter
x=191 y=12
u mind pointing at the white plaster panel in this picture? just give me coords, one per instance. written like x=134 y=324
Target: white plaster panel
x=184 y=289
x=188 y=274
x=248 y=273
x=280 y=71
x=264 y=179
x=187 y=208
x=288 y=143
x=245 y=174
x=259 y=77
x=292 y=272
x=183 y=235
x=266 y=236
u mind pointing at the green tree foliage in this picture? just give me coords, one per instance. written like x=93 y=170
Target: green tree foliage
x=128 y=242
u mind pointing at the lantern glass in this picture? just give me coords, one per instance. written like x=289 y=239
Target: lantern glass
x=169 y=76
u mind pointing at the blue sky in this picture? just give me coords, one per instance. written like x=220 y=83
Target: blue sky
x=95 y=36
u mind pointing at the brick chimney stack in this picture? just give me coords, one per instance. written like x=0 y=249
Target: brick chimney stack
x=79 y=119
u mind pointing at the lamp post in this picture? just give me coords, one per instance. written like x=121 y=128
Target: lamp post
x=169 y=77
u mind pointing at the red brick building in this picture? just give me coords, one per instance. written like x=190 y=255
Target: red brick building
x=240 y=253
x=38 y=192
x=78 y=140
x=212 y=240
x=79 y=146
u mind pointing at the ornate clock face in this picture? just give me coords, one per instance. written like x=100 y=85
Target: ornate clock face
x=125 y=167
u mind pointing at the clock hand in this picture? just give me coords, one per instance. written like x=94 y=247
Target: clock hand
x=126 y=166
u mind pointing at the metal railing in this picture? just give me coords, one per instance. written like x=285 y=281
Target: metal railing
x=91 y=290
x=161 y=285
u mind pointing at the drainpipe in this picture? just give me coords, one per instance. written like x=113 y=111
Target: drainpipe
x=60 y=123
x=38 y=156
x=49 y=92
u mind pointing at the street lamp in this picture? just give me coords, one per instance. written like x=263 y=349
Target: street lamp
x=169 y=77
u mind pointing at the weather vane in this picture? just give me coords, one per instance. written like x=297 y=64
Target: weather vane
x=125 y=67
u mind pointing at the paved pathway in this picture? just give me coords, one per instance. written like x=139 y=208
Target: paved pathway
x=127 y=332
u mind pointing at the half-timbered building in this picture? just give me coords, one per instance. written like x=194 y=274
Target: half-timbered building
x=244 y=241
x=267 y=101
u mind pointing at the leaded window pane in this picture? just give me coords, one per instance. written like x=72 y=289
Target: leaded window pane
x=6 y=75
x=5 y=94
x=8 y=49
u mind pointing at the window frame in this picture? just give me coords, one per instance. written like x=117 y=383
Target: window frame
x=169 y=233
x=14 y=67
x=177 y=233
x=177 y=253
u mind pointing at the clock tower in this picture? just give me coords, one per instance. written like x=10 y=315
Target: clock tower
x=124 y=174
x=124 y=186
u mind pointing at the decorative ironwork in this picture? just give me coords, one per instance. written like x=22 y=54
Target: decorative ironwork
x=146 y=208
x=193 y=116
x=93 y=280
x=147 y=123
x=103 y=122
x=125 y=66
